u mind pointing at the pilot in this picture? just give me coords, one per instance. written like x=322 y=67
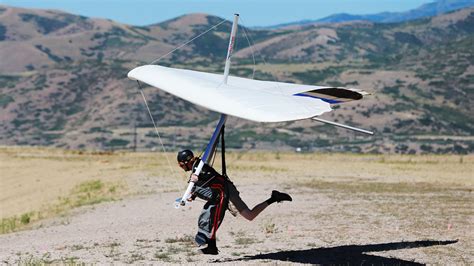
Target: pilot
x=217 y=190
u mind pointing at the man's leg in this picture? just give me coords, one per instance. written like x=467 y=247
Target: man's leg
x=251 y=214
x=244 y=210
x=204 y=223
x=210 y=219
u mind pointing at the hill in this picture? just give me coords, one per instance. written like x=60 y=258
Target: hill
x=426 y=10
x=63 y=82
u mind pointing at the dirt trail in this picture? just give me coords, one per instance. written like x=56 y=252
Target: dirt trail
x=317 y=227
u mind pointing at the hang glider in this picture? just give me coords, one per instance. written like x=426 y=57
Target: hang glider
x=255 y=100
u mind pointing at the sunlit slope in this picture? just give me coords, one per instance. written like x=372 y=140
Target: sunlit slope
x=63 y=81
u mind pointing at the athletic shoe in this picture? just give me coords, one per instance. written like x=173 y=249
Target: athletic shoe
x=279 y=197
x=210 y=248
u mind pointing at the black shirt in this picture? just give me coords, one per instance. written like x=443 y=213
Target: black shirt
x=206 y=179
x=207 y=174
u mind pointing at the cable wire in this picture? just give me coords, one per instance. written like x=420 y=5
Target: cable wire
x=251 y=49
x=143 y=94
x=156 y=129
x=277 y=85
x=184 y=44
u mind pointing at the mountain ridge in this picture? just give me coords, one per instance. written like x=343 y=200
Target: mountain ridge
x=63 y=82
x=426 y=10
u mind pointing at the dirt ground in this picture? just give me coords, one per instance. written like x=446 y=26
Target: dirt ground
x=347 y=209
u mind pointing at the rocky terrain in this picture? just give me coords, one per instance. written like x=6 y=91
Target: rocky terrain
x=63 y=82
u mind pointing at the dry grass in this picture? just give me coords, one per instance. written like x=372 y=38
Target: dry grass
x=86 y=193
x=339 y=200
x=437 y=170
x=37 y=183
x=34 y=177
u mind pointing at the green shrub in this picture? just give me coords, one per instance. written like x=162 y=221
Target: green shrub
x=25 y=218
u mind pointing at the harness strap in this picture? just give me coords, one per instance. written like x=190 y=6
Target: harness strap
x=224 y=170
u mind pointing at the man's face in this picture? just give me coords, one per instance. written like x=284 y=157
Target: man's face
x=186 y=166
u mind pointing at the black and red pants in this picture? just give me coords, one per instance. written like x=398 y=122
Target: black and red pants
x=213 y=212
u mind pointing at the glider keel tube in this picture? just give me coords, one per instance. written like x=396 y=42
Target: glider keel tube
x=206 y=157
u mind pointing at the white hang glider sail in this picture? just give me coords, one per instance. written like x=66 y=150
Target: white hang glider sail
x=255 y=100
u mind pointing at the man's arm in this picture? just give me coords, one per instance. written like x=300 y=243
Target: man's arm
x=194 y=178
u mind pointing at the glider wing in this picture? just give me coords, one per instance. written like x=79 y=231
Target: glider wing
x=260 y=101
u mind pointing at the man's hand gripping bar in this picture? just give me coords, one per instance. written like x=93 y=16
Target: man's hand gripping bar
x=187 y=193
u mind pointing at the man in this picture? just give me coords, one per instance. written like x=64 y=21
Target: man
x=217 y=190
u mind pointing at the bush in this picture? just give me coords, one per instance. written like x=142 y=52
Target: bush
x=25 y=218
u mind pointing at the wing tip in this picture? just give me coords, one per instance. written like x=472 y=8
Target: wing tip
x=360 y=91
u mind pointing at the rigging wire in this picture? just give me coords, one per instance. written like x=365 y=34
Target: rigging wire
x=261 y=55
x=143 y=94
x=251 y=49
x=253 y=42
x=265 y=63
x=156 y=129
x=186 y=43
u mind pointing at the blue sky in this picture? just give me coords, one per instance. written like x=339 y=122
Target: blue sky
x=253 y=12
